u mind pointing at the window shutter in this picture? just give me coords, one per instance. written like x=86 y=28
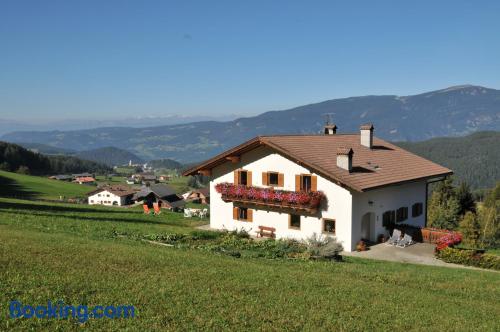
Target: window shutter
x=281 y=180
x=314 y=183
x=249 y=215
x=249 y=178
x=235 y=213
x=297 y=182
x=264 y=178
x=236 y=177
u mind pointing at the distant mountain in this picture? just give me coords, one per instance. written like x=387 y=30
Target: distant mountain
x=455 y=111
x=15 y=158
x=110 y=156
x=47 y=149
x=9 y=125
x=474 y=158
x=165 y=163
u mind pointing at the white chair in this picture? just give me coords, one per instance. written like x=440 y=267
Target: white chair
x=188 y=213
x=405 y=241
x=395 y=238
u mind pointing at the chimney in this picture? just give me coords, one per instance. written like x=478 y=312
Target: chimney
x=344 y=158
x=367 y=135
x=330 y=129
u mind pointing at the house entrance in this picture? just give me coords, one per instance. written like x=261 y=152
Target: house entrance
x=368 y=226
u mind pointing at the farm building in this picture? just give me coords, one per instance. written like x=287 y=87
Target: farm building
x=350 y=186
x=111 y=195
x=88 y=180
x=201 y=195
x=162 y=194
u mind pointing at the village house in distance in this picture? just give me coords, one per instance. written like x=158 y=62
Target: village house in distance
x=343 y=185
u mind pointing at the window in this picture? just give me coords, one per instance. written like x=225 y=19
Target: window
x=402 y=214
x=417 y=209
x=294 y=221
x=242 y=214
x=91 y=201
x=243 y=177
x=272 y=178
x=305 y=183
x=99 y=195
x=388 y=218
x=107 y=195
x=329 y=226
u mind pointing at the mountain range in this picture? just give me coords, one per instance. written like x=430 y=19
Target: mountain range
x=454 y=111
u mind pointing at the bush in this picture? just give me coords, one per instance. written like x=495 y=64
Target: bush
x=469 y=257
x=324 y=247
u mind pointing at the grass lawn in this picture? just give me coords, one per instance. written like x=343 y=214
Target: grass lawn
x=67 y=252
x=101 y=179
x=26 y=186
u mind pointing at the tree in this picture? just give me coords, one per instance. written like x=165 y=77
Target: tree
x=23 y=170
x=471 y=229
x=490 y=220
x=465 y=199
x=443 y=210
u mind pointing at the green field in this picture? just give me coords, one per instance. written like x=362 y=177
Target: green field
x=97 y=255
x=70 y=253
x=35 y=187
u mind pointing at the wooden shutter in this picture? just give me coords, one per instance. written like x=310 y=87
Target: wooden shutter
x=249 y=215
x=249 y=178
x=297 y=182
x=281 y=180
x=235 y=213
x=264 y=178
x=314 y=183
x=236 y=177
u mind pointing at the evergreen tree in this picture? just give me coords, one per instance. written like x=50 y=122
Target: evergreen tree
x=489 y=216
x=443 y=210
x=471 y=229
x=465 y=199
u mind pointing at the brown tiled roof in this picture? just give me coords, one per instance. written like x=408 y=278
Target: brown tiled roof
x=118 y=190
x=344 y=151
x=382 y=165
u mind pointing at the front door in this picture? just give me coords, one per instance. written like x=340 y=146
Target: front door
x=367 y=226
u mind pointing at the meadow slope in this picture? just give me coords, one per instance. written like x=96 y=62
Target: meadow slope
x=70 y=253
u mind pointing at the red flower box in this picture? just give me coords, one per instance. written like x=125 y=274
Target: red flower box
x=270 y=196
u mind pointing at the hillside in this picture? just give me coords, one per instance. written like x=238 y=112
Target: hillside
x=454 y=111
x=35 y=187
x=110 y=156
x=474 y=158
x=46 y=149
x=174 y=289
x=14 y=157
x=165 y=163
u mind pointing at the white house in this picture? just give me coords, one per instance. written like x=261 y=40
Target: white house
x=366 y=183
x=111 y=195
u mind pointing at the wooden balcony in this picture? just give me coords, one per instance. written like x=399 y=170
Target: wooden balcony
x=271 y=199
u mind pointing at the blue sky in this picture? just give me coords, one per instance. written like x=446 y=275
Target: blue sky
x=77 y=59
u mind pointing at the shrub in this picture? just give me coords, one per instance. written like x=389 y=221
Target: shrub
x=469 y=257
x=324 y=247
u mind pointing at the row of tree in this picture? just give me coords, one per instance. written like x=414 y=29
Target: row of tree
x=454 y=208
x=15 y=158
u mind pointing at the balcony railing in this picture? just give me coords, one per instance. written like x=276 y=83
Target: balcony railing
x=268 y=197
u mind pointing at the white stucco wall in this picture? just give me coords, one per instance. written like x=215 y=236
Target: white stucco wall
x=345 y=206
x=263 y=159
x=106 y=198
x=387 y=198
